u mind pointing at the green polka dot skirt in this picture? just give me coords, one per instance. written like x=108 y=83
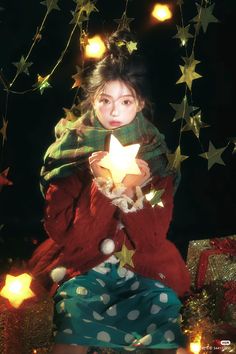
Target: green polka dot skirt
x=111 y=306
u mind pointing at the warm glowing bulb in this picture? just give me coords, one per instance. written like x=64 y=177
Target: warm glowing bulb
x=95 y=47
x=17 y=289
x=161 y=12
x=121 y=160
x=195 y=347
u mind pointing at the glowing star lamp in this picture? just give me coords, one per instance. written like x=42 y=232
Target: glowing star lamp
x=195 y=347
x=161 y=12
x=17 y=289
x=95 y=47
x=121 y=160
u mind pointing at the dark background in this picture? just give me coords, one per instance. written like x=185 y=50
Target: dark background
x=205 y=203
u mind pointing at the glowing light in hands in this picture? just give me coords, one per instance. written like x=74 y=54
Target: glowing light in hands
x=121 y=160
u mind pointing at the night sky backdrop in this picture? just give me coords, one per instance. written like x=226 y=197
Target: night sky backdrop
x=205 y=203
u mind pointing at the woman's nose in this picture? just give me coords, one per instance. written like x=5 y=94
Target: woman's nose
x=114 y=111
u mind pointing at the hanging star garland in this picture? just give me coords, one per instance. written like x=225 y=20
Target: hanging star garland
x=131 y=46
x=3 y=130
x=213 y=155
x=205 y=16
x=175 y=159
x=183 y=34
x=42 y=83
x=194 y=123
x=77 y=77
x=188 y=72
x=51 y=5
x=123 y=22
x=89 y=7
x=182 y=110
x=22 y=66
x=154 y=197
x=125 y=256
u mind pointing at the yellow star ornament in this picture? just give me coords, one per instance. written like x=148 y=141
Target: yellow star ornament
x=121 y=160
x=17 y=289
x=125 y=256
x=188 y=74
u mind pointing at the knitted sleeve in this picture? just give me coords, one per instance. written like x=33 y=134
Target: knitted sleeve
x=77 y=217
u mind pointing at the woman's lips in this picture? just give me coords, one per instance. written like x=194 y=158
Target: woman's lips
x=115 y=123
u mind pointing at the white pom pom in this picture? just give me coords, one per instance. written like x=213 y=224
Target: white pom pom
x=107 y=246
x=58 y=274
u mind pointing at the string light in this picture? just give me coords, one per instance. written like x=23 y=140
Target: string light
x=161 y=12
x=195 y=346
x=95 y=47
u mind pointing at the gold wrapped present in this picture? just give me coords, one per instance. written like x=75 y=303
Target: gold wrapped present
x=29 y=326
x=211 y=260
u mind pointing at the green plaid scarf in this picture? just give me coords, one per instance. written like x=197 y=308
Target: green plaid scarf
x=76 y=141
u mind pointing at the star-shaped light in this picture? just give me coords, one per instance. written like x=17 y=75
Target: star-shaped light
x=42 y=83
x=17 y=289
x=22 y=66
x=194 y=123
x=175 y=159
x=205 y=16
x=182 y=109
x=77 y=77
x=89 y=7
x=51 y=5
x=121 y=160
x=131 y=46
x=213 y=155
x=3 y=130
x=188 y=73
x=125 y=256
x=183 y=34
x=154 y=197
x=123 y=22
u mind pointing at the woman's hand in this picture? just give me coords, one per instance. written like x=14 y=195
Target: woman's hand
x=98 y=171
x=132 y=181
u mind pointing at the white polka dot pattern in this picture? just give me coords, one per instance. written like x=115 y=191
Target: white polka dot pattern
x=112 y=311
x=163 y=297
x=151 y=328
x=133 y=315
x=155 y=309
x=128 y=338
x=81 y=290
x=135 y=285
x=68 y=330
x=104 y=336
x=169 y=336
x=105 y=298
x=97 y=316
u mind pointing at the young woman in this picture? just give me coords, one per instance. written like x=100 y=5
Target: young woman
x=119 y=281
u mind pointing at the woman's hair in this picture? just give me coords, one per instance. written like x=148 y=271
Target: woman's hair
x=119 y=64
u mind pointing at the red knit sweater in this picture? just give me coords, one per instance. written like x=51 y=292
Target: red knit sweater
x=78 y=217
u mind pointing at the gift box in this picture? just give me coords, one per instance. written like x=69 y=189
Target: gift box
x=28 y=328
x=212 y=260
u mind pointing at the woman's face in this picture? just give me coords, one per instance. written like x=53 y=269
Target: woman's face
x=116 y=105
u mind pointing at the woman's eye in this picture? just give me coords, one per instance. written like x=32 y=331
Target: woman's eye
x=126 y=102
x=105 y=100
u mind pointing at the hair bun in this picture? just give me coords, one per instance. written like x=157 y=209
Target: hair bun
x=117 y=43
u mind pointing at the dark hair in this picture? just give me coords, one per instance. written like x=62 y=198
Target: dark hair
x=119 y=64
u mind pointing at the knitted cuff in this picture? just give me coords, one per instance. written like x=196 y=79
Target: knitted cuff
x=128 y=205
x=106 y=187
x=121 y=200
